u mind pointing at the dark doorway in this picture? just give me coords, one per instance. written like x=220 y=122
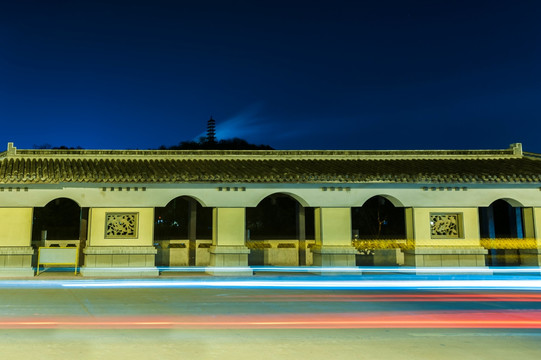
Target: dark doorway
x=173 y=220
x=59 y=223
x=279 y=217
x=497 y=222
x=183 y=218
x=378 y=218
x=60 y=219
x=275 y=217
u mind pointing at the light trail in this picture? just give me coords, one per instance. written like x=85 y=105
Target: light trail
x=306 y=283
x=508 y=319
x=513 y=297
x=317 y=284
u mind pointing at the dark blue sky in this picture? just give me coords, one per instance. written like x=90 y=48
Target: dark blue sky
x=291 y=74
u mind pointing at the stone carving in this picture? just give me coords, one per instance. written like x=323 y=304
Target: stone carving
x=121 y=225
x=444 y=225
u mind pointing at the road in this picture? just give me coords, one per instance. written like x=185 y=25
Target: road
x=271 y=317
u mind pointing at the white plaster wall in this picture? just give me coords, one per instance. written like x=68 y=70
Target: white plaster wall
x=145 y=234
x=313 y=195
x=15 y=226
x=333 y=226
x=469 y=227
x=228 y=227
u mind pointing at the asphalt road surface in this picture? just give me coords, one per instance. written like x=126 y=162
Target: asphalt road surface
x=267 y=318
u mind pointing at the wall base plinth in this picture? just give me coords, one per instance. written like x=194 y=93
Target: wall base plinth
x=445 y=257
x=388 y=257
x=120 y=272
x=120 y=261
x=16 y=261
x=274 y=257
x=229 y=261
x=334 y=256
x=530 y=257
x=17 y=273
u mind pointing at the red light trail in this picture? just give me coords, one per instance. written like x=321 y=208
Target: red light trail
x=511 y=319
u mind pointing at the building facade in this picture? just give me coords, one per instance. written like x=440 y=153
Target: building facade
x=129 y=211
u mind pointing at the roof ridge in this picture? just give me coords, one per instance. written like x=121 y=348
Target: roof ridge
x=263 y=154
x=514 y=151
x=532 y=155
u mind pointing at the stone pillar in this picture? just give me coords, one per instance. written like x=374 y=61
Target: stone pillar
x=516 y=215
x=491 y=232
x=120 y=243
x=83 y=233
x=15 y=242
x=192 y=231
x=531 y=255
x=444 y=237
x=228 y=253
x=333 y=238
x=301 y=233
x=528 y=218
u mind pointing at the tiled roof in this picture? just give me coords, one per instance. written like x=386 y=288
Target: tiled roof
x=106 y=166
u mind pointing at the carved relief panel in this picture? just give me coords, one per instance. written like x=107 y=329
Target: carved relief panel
x=121 y=225
x=445 y=226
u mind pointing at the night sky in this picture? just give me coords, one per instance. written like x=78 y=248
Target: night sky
x=292 y=74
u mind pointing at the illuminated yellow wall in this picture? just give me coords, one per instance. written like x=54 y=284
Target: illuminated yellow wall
x=421 y=227
x=528 y=219
x=15 y=226
x=228 y=226
x=145 y=236
x=333 y=226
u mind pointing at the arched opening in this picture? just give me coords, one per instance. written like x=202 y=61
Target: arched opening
x=60 y=219
x=60 y=223
x=183 y=233
x=376 y=221
x=280 y=232
x=378 y=218
x=502 y=230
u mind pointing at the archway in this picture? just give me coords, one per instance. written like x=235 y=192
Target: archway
x=501 y=228
x=279 y=231
x=62 y=223
x=183 y=233
x=376 y=219
x=60 y=219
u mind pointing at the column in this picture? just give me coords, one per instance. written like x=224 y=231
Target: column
x=530 y=255
x=15 y=242
x=120 y=243
x=517 y=216
x=333 y=238
x=443 y=237
x=83 y=233
x=301 y=233
x=491 y=233
x=228 y=253
x=192 y=231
